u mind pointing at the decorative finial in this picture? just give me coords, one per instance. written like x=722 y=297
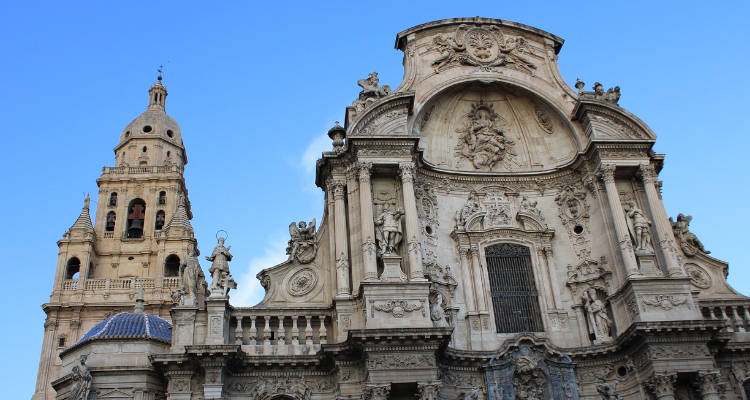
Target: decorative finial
x=580 y=85
x=139 y=307
x=161 y=71
x=337 y=123
x=86 y=201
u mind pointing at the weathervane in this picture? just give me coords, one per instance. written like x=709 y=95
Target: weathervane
x=160 y=70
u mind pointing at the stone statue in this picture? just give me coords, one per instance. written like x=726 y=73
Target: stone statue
x=437 y=314
x=193 y=281
x=370 y=87
x=528 y=379
x=607 y=391
x=370 y=91
x=388 y=229
x=638 y=225
x=481 y=140
x=220 y=258
x=227 y=284
x=81 y=377
x=688 y=241
x=303 y=245
x=599 y=322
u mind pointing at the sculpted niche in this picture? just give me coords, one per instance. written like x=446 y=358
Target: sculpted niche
x=493 y=128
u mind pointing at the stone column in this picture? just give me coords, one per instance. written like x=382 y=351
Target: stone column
x=607 y=172
x=708 y=383
x=662 y=385
x=480 y=294
x=466 y=280
x=416 y=270
x=661 y=221
x=368 y=226
x=342 y=251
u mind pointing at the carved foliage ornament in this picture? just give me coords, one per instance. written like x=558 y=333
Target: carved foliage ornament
x=482 y=47
x=398 y=308
x=267 y=389
x=665 y=302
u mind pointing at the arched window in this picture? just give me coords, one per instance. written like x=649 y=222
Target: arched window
x=159 y=220
x=514 y=296
x=111 y=218
x=162 y=197
x=113 y=197
x=136 y=215
x=172 y=265
x=73 y=268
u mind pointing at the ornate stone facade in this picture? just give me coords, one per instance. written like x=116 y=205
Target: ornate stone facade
x=488 y=233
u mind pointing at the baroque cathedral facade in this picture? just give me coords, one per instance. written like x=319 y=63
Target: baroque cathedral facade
x=488 y=233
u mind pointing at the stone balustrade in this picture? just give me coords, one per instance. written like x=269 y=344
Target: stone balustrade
x=107 y=285
x=109 y=235
x=141 y=170
x=70 y=284
x=735 y=314
x=280 y=333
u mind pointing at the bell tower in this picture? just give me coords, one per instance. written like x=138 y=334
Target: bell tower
x=140 y=235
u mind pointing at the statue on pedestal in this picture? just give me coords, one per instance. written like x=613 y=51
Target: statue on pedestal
x=388 y=229
x=219 y=270
x=599 y=321
x=82 y=380
x=193 y=290
x=639 y=227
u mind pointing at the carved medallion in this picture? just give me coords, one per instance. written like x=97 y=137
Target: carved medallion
x=481 y=47
x=698 y=276
x=302 y=282
x=544 y=120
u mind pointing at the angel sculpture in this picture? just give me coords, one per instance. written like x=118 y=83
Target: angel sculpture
x=302 y=246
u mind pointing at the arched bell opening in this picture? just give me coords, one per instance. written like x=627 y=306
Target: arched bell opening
x=172 y=266
x=136 y=216
x=73 y=268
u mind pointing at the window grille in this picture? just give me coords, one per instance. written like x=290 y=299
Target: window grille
x=514 y=295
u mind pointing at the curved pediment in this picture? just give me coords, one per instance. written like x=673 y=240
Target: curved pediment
x=495 y=127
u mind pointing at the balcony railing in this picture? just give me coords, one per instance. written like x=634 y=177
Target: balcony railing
x=141 y=170
x=70 y=284
x=171 y=283
x=280 y=333
x=735 y=313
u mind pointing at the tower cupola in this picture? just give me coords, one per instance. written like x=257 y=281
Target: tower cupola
x=157 y=95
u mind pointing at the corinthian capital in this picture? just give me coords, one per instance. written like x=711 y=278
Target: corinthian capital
x=336 y=185
x=406 y=169
x=607 y=172
x=364 y=169
x=647 y=173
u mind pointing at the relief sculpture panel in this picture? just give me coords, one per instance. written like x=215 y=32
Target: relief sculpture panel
x=494 y=129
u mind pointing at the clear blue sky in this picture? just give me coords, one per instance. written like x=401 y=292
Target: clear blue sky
x=255 y=88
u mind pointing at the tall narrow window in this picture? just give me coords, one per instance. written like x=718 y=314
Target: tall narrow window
x=136 y=215
x=111 y=219
x=514 y=296
x=162 y=197
x=172 y=266
x=113 y=197
x=159 y=220
x=72 y=269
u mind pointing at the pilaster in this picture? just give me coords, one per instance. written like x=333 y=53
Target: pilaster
x=342 y=250
x=416 y=269
x=607 y=173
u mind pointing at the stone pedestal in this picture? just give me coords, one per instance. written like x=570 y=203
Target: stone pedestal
x=647 y=264
x=392 y=271
x=657 y=299
x=183 y=327
x=396 y=305
x=218 y=320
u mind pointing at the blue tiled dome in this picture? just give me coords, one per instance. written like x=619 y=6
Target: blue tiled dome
x=127 y=325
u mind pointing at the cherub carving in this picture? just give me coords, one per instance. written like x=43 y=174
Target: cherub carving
x=303 y=245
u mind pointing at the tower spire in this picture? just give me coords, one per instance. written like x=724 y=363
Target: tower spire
x=157 y=95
